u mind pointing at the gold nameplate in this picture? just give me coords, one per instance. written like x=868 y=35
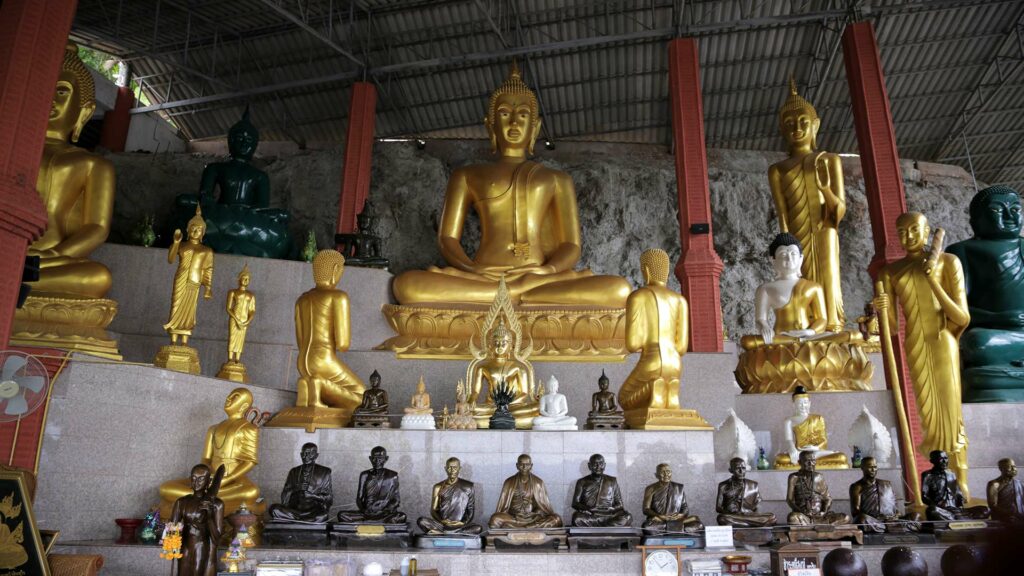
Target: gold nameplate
x=968 y=525
x=527 y=537
x=370 y=530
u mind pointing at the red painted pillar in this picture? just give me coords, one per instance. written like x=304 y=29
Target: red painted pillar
x=699 y=266
x=883 y=180
x=116 y=121
x=355 y=178
x=33 y=34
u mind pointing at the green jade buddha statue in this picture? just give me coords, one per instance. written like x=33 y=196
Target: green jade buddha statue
x=240 y=221
x=992 y=348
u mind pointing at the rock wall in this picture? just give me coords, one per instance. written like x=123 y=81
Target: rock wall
x=626 y=196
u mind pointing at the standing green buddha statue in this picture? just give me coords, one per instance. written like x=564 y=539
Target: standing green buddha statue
x=992 y=348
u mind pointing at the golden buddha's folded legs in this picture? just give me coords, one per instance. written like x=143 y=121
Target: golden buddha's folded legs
x=76 y=276
x=598 y=291
x=569 y=288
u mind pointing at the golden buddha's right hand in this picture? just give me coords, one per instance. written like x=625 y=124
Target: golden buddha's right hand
x=177 y=236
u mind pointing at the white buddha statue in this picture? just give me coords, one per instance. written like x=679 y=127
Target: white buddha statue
x=805 y=431
x=554 y=410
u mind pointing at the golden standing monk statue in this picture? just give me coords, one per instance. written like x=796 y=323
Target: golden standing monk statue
x=810 y=200
x=233 y=443
x=657 y=326
x=328 y=390
x=241 y=308
x=929 y=287
x=77 y=188
x=195 y=271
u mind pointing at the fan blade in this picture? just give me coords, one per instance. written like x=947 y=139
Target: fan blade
x=16 y=406
x=12 y=365
x=33 y=383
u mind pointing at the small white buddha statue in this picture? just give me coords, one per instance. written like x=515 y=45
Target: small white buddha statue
x=805 y=431
x=554 y=410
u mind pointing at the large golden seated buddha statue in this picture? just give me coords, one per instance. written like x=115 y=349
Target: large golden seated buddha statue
x=66 y=307
x=530 y=236
x=795 y=350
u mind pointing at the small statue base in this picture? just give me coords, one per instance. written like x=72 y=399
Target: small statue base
x=600 y=538
x=418 y=422
x=681 y=540
x=548 y=538
x=665 y=419
x=606 y=422
x=993 y=384
x=310 y=418
x=234 y=371
x=448 y=542
x=178 y=358
x=371 y=421
x=555 y=427
x=66 y=323
x=370 y=535
x=569 y=334
x=499 y=421
x=294 y=533
x=818 y=366
x=825 y=532
x=758 y=536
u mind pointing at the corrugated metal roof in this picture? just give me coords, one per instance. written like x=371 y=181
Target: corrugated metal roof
x=599 y=67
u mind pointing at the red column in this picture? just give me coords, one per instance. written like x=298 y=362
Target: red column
x=699 y=266
x=883 y=180
x=116 y=121
x=33 y=34
x=355 y=179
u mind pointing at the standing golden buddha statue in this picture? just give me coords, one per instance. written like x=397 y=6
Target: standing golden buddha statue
x=929 y=287
x=194 y=271
x=241 y=307
x=66 y=308
x=658 y=326
x=810 y=201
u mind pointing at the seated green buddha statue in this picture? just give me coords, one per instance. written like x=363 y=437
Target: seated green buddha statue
x=992 y=348
x=240 y=220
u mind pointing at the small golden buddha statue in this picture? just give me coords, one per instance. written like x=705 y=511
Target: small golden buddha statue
x=420 y=402
x=806 y=432
x=233 y=443
x=77 y=188
x=810 y=199
x=502 y=360
x=462 y=419
x=328 y=390
x=241 y=307
x=658 y=325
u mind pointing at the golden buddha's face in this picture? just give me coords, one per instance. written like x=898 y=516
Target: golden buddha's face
x=243 y=280
x=799 y=127
x=196 y=231
x=67 y=113
x=421 y=387
x=501 y=344
x=513 y=126
x=913 y=230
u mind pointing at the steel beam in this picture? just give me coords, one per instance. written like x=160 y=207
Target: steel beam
x=288 y=15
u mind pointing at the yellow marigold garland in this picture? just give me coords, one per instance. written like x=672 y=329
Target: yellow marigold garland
x=172 y=541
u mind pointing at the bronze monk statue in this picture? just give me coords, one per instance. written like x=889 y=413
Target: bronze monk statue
x=1006 y=494
x=665 y=506
x=597 y=500
x=940 y=492
x=808 y=497
x=202 y=516
x=873 y=501
x=307 y=494
x=377 y=497
x=452 y=504
x=738 y=499
x=523 y=502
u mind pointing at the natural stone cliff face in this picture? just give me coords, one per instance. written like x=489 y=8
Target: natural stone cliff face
x=626 y=196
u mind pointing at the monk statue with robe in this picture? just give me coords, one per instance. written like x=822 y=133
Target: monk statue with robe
x=808 y=497
x=233 y=443
x=523 y=502
x=810 y=201
x=929 y=288
x=1006 y=494
x=597 y=501
x=665 y=506
x=941 y=493
x=992 y=348
x=452 y=504
x=377 y=496
x=873 y=502
x=738 y=499
x=307 y=494
x=201 y=514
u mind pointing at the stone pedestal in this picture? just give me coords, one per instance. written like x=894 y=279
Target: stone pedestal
x=370 y=421
x=234 y=371
x=620 y=538
x=666 y=419
x=67 y=323
x=310 y=418
x=601 y=422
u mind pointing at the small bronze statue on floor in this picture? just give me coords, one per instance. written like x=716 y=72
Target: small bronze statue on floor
x=1006 y=494
x=665 y=506
x=452 y=505
x=941 y=493
x=604 y=414
x=307 y=494
x=738 y=499
x=597 y=500
x=523 y=502
x=873 y=502
x=202 y=514
x=378 y=496
x=808 y=497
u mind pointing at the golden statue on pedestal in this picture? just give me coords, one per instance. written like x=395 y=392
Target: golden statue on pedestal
x=530 y=236
x=67 y=308
x=328 y=390
x=241 y=307
x=810 y=201
x=195 y=270
x=929 y=287
x=233 y=443
x=502 y=359
x=657 y=326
